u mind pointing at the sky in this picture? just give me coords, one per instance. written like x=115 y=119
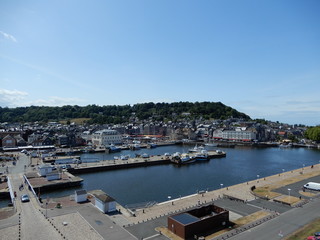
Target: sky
x=260 y=57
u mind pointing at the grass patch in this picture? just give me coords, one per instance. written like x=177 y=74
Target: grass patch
x=306 y=231
x=166 y=232
x=250 y=218
x=266 y=191
x=75 y=120
x=288 y=200
x=307 y=194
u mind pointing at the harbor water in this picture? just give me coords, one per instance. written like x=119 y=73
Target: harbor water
x=158 y=183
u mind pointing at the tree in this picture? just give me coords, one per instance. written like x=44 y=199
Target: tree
x=313 y=133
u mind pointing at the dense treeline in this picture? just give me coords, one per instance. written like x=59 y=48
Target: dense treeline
x=121 y=114
x=313 y=133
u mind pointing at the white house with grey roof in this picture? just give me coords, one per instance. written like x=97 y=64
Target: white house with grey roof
x=105 y=203
x=80 y=196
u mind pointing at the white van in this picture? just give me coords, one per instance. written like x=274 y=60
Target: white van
x=312 y=186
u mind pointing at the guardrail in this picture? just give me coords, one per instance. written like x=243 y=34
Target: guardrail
x=31 y=189
x=11 y=192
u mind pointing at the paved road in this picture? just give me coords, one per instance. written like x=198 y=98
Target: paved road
x=33 y=223
x=284 y=224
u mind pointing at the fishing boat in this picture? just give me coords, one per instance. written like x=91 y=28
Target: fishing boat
x=202 y=155
x=196 y=149
x=185 y=158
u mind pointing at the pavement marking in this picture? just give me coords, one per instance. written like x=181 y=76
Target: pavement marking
x=153 y=236
x=249 y=204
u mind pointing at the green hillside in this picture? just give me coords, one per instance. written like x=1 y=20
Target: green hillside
x=122 y=114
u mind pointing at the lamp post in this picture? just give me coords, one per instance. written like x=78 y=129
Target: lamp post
x=258 y=178
x=221 y=185
x=47 y=209
x=289 y=189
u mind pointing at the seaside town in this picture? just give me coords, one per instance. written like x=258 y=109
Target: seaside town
x=37 y=158
x=159 y=120
x=15 y=135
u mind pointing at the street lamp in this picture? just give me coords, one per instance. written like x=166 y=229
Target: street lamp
x=258 y=177
x=289 y=189
x=221 y=185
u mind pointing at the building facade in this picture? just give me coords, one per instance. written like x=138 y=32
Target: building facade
x=198 y=221
x=239 y=135
x=106 y=137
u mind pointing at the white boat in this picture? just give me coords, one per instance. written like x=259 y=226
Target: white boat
x=186 y=158
x=113 y=148
x=135 y=146
x=211 y=144
x=202 y=155
x=285 y=145
x=152 y=145
x=196 y=149
x=145 y=155
x=124 y=157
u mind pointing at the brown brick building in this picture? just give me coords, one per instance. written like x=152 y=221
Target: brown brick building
x=198 y=221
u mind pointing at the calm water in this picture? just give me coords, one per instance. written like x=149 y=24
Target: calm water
x=156 y=183
x=4 y=202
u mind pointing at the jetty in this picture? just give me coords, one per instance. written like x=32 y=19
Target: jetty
x=140 y=161
x=39 y=183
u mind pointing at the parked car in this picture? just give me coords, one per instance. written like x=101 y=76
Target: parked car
x=317 y=234
x=313 y=238
x=25 y=198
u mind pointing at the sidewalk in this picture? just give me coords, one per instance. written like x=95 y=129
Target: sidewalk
x=240 y=191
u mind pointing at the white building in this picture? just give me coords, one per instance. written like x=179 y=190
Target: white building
x=45 y=169
x=239 y=135
x=80 y=196
x=105 y=203
x=106 y=137
x=54 y=175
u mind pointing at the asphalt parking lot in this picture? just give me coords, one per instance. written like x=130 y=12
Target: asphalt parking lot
x=296 y=187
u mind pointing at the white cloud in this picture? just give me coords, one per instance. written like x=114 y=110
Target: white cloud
x=8 y=36
x=11 y=98
x=16 y=98
x=299 y=110
x=56 y=101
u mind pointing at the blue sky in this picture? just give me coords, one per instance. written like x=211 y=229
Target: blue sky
x=259 y=57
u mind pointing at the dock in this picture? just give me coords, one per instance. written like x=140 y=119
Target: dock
x=39 y=183
x=117 y=164
x=108 y=165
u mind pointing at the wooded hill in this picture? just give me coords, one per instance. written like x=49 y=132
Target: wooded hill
x=122 y=114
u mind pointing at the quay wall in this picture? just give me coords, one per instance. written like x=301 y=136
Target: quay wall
x=117 y=166
x=55 y=186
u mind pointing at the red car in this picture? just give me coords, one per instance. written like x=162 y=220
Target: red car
x=313 y=238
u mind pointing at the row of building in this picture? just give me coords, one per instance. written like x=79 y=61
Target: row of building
x=80 y=135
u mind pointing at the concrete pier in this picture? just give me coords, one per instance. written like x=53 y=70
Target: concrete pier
x=108 y=165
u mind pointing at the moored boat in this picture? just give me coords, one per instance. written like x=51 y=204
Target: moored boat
x=196 y=149
x=202 y=155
